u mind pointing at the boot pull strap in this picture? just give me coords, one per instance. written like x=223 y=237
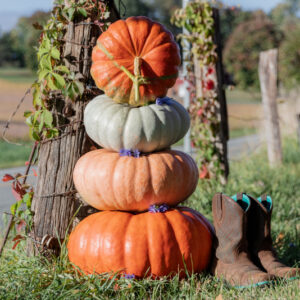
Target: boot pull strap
x=243 y=200
x=217 y=207
x=266 y=201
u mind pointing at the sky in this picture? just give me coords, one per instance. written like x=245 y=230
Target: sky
x=11 y=10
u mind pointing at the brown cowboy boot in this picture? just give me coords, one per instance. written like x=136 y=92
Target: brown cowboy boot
x=232 y=261
x=260 y=241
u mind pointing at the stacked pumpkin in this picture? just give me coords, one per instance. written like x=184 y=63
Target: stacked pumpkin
x=136 y=181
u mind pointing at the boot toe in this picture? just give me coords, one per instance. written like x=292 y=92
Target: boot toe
x=286 y=272
x=256 y=278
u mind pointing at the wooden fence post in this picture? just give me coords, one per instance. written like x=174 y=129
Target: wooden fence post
x=268 y=61
x=55 y=201
x=219 y=134
x=222 y=110
x=298 y=128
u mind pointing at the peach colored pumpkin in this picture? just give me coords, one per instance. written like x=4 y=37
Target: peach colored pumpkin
x=145 y=244
x=108 y=181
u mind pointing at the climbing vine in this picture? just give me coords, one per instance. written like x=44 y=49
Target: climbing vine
x=53 y=77
x=197 y=19
x=53 y=74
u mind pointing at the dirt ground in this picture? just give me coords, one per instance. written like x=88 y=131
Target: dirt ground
x=10 y=96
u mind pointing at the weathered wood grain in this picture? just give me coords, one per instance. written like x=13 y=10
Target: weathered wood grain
x=55 y=200
x=268 y=61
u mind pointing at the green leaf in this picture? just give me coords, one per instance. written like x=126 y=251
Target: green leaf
x=42 y=51
x=27 y=199
x=43 y=74
x=51 y=84
x=46 y=63
x=27 y=113
x=35 y=116
x=13 y=208
x=82 y=11
x=70 y=12
x=46 y=43
x=62 y=69
x=70 y=92
x=35 y=135
x=37 y=100
x=42 y=122
x=29 y=120
x=55 y=53
x=48 y=118
x=59 y=80
x=80 y=87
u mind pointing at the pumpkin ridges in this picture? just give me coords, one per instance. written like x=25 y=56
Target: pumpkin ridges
x=205 y=235
x=94 y=166
x=173 y=171
x=139 y=260
x=176 y=107
x=154 y=135
x=142 y=179
x=176 y=127
x=164 y=49
x=113 y=140
x=109 y=68
x=175 y=237
x=101 y=134
x=182 y=231
x=106 y=119
x=159 y=37
x=119 y=36
x=150 y=242
x=136 y=30
x=133 y=114
x=168 y=172
x=131 y=38
x=152 y=107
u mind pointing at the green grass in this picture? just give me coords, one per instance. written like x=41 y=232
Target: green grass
x=34 y=278
x=239 y=96
x=17 y=75
x=14 y=155
x=239 y=132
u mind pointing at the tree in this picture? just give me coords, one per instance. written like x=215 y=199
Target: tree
x=130 y=8
x=230 y=18
x=26 y=37
x=10 y=55
x=285 y=12
x=289 y=56
x=157 y=10
x=242 y=49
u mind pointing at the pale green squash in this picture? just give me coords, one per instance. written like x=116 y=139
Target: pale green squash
x=148 y=128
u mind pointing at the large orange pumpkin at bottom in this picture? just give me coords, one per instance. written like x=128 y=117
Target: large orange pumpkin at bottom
x=144 y=244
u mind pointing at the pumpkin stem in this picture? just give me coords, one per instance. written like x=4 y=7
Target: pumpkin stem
x=137 y=66
x=136 y=82
x=136 y=78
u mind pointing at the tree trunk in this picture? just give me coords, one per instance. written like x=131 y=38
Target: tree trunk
x=268 y=84
x=55 y=200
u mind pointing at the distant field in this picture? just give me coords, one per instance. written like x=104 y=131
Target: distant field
x=242 y=97
x=244 y=108
x=17 y=75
